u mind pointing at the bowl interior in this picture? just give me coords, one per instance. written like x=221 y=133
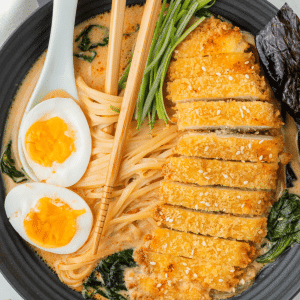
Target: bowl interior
x=18 y=263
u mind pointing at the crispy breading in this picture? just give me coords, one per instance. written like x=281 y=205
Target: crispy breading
x=157 y=287
x=234 y=86
x=212 y=36
x=227 y=114
x=216 y=198
x=219 y=64
x=218 y=172
x=231 y=147
x=221 y=225
x=210 y=275
x=210 y=249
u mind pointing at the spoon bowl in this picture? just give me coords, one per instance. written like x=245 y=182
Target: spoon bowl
x=58 y=69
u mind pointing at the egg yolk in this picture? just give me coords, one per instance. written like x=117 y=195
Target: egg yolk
x=46 y=142
x=51 y=223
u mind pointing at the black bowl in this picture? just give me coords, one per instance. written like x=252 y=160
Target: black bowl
x=18 y=263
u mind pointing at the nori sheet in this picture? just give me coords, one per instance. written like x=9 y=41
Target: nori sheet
x=278 y=46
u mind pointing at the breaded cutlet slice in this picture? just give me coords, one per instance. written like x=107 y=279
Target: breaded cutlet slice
x=212 y=36
x=220 y=225
x=254 y=115
x=218 y=172
x=210 y=249
x=209 y=275
x=218 y=199
x=158 y=287
x=213 y=87
x=240 y=147
x=218 y=64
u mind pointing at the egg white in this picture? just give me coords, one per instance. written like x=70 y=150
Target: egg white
x=73 y=168
x=23 y=197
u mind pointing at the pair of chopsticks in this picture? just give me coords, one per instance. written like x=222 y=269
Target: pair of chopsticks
x=131 y=92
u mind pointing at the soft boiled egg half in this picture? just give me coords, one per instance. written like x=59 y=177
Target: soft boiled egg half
x=52 y=218
x=56 y=141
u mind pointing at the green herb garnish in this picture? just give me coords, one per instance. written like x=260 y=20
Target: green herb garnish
x=8 y=166
x=87 y=46
x=283 y=226
x=114 y=108
x=107 y=278
x=168 y=34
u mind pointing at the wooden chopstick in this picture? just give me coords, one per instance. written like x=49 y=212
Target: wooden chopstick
x=129 y=100
x=114 y=50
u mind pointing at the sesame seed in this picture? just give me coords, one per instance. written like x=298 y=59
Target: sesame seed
x=242 y=205
x=225 y=176
x=153 y=263
x=230 y=78
x=218 y=74
x=244 y=107
x=192 y=253
x=207 y=204
x=261 y=157
x=196 y=206
x=218 y=112
x=270 y=156
x=247 y=76
x=238 y=153
x=204 y=69
x=242 y=113
x=221 y=280
x=232 y=270
x=169 y=282
x=202 y=202
x=216 y=205
x=205 y=173
x=239 y=197
x=167 y=219
x=246 y=182
x=165 y=245
x=259 y=202
x=203 y=243
x=166 y=275
x=261 y=141
x=248 y=111
x=206 y=148
x=187 y=272
x=190 y=87
x=184 y=264
x=200 y=171
x=249 y=146
x=242 y=281
x=242 y=148
x=247 y=62
x=159 y=285
x=207 y=178
x=195 y=275
x=171 y=220
x=201 y=194
x=206 y=194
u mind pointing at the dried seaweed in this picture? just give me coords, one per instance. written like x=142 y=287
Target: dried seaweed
x=290 y=176
x=278 y=45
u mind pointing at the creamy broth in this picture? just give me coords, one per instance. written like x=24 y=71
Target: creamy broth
x=94 y=75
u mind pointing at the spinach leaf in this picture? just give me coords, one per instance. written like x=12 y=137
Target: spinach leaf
x=86 y=45
x=8 y=166
x=107 y=278
x=283 y=226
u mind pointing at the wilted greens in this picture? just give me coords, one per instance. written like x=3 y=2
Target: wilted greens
x=283 y=226
x=8 y=166
x=107 y=278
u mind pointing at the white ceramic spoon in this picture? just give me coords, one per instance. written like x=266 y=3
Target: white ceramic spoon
x=58 y=69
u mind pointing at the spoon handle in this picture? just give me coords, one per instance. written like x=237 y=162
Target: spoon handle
x=58 y=67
